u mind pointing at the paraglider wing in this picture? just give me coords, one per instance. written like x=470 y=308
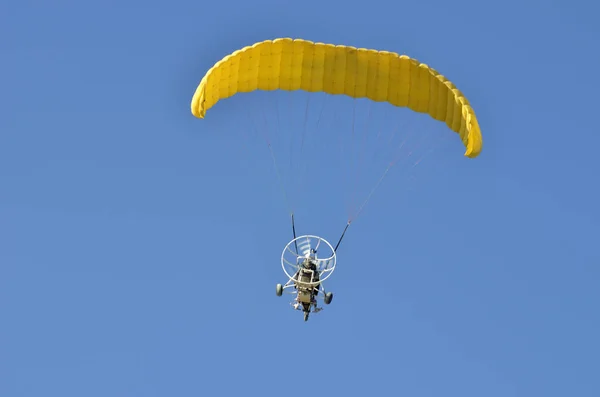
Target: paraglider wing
x=295 y=64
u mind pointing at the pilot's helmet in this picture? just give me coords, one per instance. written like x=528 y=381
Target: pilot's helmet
x=311 y=254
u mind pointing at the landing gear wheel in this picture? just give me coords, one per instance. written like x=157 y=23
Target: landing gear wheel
x=279 y=289
x=328 y=298
x=306 y=316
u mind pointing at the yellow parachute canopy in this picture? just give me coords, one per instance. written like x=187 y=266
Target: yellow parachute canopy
x=295 y=64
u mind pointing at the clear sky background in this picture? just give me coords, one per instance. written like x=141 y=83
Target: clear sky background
x=139 y=246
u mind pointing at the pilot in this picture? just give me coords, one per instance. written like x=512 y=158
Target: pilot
x=309 y=264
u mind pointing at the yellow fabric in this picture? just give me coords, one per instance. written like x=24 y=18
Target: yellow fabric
x=289 y=64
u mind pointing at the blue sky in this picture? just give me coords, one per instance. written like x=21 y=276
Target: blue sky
x=140 y=246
